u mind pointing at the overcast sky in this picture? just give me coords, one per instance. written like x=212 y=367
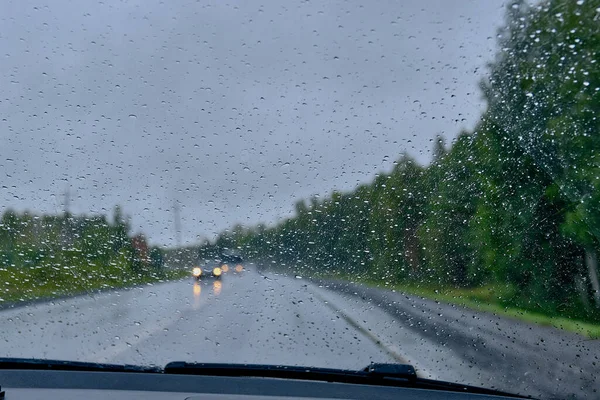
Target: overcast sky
x=234 y=109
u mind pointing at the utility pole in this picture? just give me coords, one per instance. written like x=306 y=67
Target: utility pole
x=67 y=228
x=177 y=221
x=67 y=200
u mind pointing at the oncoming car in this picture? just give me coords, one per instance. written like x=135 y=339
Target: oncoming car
x=207 y=273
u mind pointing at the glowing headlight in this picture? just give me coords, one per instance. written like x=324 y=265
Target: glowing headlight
x=196 y=272
x=217 y=271
x=225 y=268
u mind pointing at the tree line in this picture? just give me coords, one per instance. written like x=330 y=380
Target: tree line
x=67 y=251
x=514 y=203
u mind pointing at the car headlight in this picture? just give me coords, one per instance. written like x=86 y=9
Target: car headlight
x=196 y=272
x=217 y=271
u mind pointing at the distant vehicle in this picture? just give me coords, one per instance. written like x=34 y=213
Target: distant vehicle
x=207 y=273
x=235 y=268
x=231 y=257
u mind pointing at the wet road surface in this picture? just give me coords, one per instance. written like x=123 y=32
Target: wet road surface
x=264 y=318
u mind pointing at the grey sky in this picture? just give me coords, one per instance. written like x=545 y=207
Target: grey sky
x=234 y=109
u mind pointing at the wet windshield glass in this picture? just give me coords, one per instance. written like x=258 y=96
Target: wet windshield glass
x=322 y=184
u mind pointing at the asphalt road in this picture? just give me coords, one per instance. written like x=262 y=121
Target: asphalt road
x=266 y=318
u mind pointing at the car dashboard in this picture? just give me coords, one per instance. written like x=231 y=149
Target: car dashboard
x=92 y=385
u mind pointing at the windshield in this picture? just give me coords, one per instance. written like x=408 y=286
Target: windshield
x=324 y=184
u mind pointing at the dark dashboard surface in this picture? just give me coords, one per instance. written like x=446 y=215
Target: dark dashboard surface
x=38 y=384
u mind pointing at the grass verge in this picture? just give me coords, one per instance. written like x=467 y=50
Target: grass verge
x=479 y=299
x=486 y=298
x=21 y=286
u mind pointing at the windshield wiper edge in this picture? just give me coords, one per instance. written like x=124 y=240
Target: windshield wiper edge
x=375 y=374
x=61 y=365
x=401 y=375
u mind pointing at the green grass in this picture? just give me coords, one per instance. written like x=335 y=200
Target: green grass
x=20 y=285
x=488 y=298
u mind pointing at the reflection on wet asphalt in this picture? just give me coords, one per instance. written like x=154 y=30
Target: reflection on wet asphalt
x=248 y=317
x=243 y=318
